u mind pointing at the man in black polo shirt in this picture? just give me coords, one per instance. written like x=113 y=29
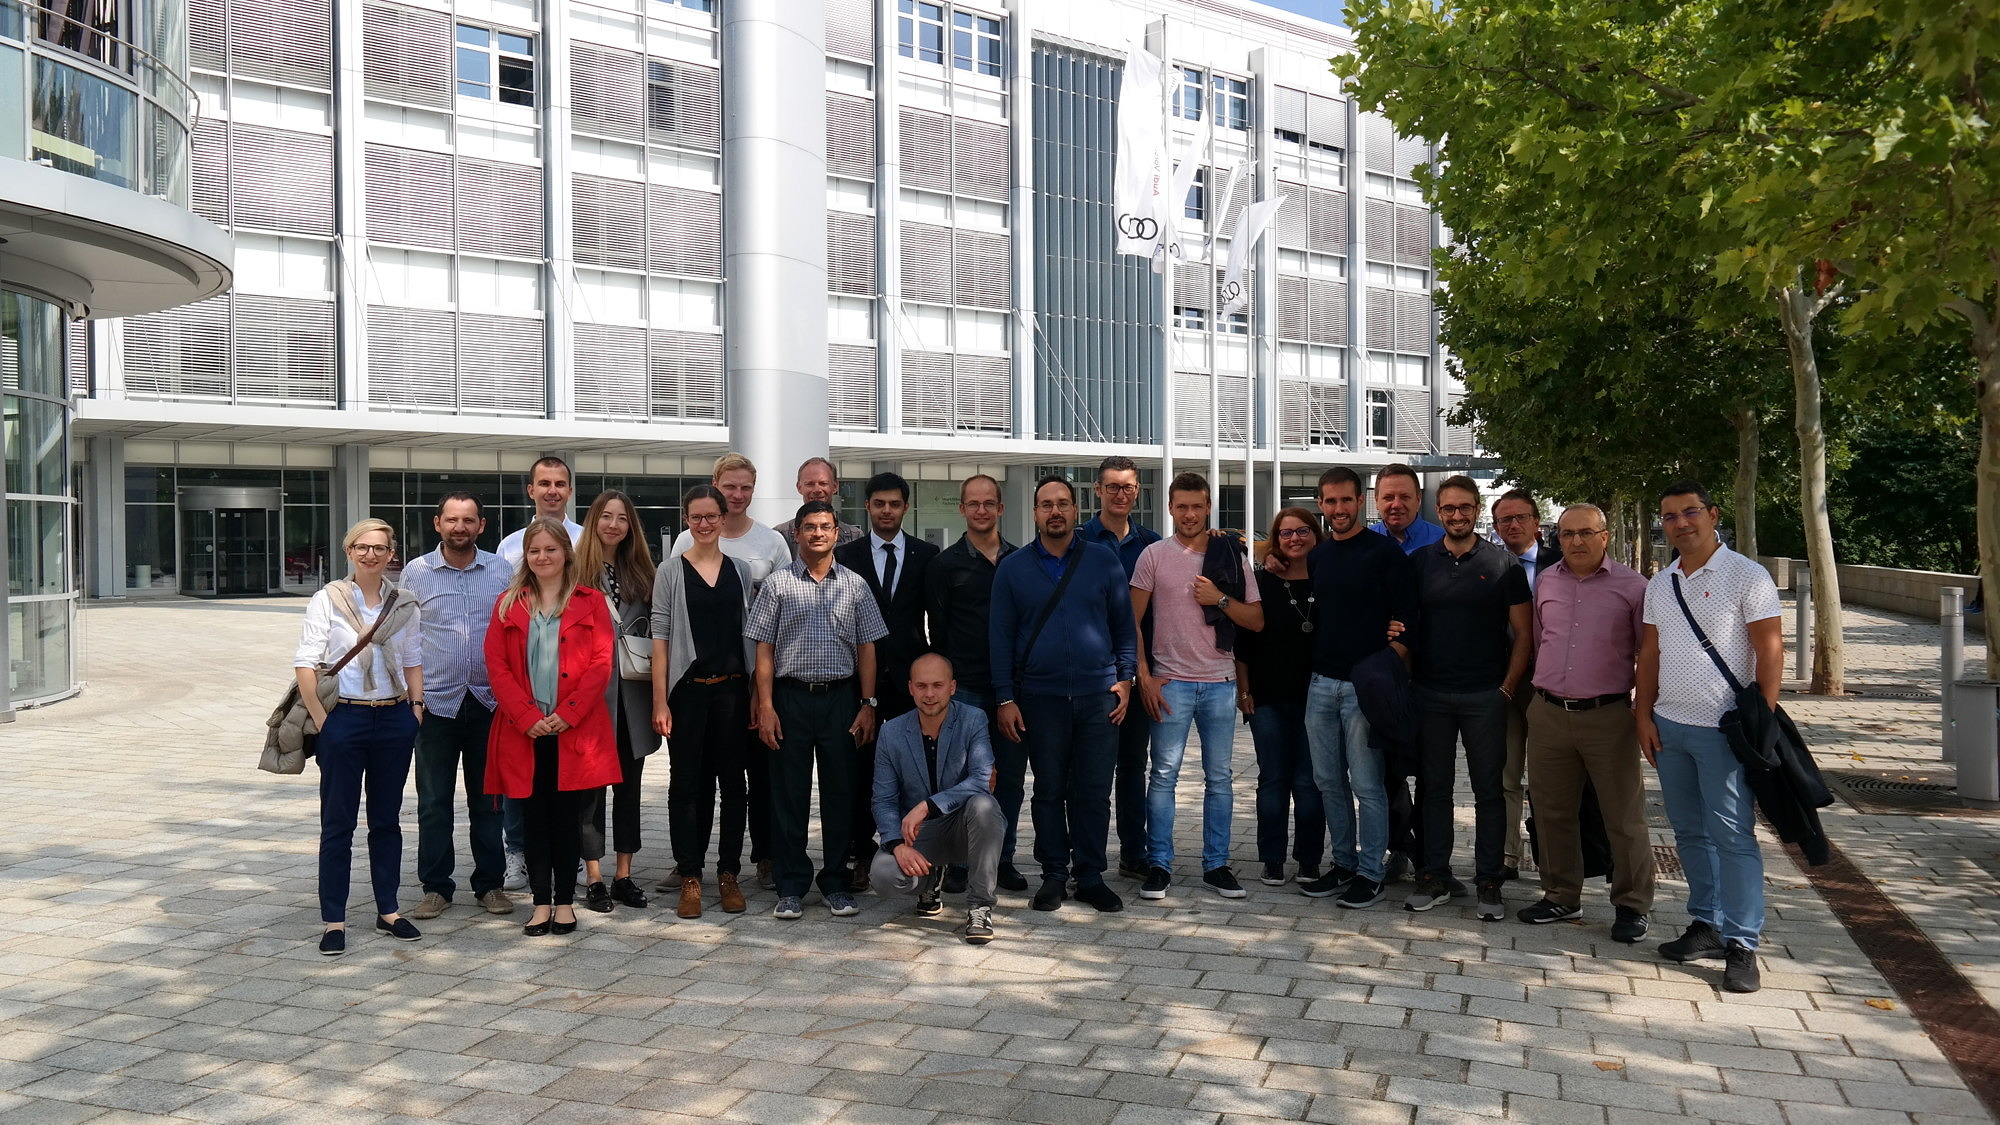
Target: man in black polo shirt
x=1468 y=667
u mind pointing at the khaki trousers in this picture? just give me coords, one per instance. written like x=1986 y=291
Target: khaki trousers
x=1603 y=744
x=1513 y=770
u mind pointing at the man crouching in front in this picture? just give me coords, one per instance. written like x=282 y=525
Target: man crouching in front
x=933 y=799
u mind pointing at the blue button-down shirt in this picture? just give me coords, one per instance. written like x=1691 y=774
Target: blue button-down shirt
x=1138 y=537
x=456 y=606
x=1422 y=533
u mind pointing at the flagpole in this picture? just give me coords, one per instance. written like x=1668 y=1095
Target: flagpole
x=1213 y=222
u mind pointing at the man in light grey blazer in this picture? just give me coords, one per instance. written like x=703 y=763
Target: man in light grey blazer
x=933 y=799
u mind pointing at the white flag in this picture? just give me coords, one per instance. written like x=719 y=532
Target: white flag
x=1250 y=226
x=1173 y=205
x=1222 y=209
x=1142 y=174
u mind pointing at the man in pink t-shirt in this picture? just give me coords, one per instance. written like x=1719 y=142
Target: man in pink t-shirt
x=1198 y=585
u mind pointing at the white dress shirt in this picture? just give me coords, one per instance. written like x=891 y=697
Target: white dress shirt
x=875 y=548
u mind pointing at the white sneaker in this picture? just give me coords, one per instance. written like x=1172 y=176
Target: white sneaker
x=516 y=878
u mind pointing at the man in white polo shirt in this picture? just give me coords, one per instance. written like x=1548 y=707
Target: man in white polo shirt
x=1681 y=699
x=550 y=487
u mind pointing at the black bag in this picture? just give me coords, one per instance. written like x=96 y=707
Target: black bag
x=1751 y=726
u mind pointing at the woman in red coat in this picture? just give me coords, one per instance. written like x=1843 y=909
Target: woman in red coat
x=549 y=658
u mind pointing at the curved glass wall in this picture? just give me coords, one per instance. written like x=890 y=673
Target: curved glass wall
x=103 y=92
x=40 y=595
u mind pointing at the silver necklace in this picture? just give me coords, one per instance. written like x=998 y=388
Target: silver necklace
x=1305 y=615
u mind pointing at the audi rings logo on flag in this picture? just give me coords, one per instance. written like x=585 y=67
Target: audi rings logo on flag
x=1228 y=291
x=1139 y=226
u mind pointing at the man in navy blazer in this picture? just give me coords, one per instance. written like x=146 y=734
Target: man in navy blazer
x=933 y=799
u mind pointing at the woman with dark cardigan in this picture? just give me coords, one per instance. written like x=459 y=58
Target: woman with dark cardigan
x=548 y=657
x=1272 y=669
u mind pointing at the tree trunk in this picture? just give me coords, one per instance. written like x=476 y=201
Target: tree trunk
x=1746 y=479
x=1798 y=307
x=1986 y=350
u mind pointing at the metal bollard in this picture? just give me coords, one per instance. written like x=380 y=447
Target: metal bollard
x=1951 y=616
x=1803 y=613
x=1978 y=739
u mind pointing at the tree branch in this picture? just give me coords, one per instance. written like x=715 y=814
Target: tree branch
x=1677 y=98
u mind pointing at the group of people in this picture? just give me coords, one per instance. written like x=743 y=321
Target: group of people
x=925 y=685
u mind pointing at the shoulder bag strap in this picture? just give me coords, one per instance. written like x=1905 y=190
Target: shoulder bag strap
x=1707 y=645
x=1070 y=567
x=388 y=603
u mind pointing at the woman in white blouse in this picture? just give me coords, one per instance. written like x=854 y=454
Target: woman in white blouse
x=367 y=737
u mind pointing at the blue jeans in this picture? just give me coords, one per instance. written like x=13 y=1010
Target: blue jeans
x=1349 y=773
x=1072 y=745
x=1715 y=827
x=362 y=749
x=1010 y=769
x=1285 y=785
x=1210 y=708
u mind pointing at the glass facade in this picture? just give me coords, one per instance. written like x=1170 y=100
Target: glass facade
x=408 y=500
x=40 y=594
x=173 y=545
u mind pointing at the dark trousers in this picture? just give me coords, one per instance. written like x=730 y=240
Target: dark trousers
x=756 y=759
x=1285 y=786
x=1010 y=769
x=550 y=819
x=1135 y=761
x=448 y=746
x=706 y=755
x=814 y=731
x=1480 y=718
x=861 y=829
x=1073 y=746
x=624 y=804
x=362 y=749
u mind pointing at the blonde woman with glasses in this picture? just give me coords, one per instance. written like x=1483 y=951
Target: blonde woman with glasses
x=369 y=733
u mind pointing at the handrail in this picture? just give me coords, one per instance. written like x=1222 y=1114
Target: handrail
x=153 y=65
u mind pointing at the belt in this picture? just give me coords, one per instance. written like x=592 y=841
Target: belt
x=1591 y=704
x=711 y=681
x=374 y=702
x=818 y=687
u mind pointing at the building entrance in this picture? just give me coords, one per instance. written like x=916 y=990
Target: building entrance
x=230 y=541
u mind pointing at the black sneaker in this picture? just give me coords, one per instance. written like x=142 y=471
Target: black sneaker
x=954 y=879
x=1491 y=908
x=1429 y=891
x=1155 y=887
x=1327 y=885
x=1308 y=872
x=1273 y=876
x=598 y=897
x=1360 y=894
x=1546 y=911
x=1132 y=868
x=1630 y=927
x=1011 y=879
x=1740 y=974
x=929 y=904
x=1102 y=898
x=1224 y=882
x=1699 y=942
x=1051 y=896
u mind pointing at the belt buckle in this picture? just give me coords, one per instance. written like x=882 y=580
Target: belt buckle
x=1574 y=705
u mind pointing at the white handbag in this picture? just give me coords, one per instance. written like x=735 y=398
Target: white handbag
x=635 y=658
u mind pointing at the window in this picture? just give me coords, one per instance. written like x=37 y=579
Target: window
x=1196 y=204
x=1379 y=417
x=495 y=66
x=1235 y=324
x=1232 y=102
x=1187 y=98
x=850 y=318
x=1190 y=317
x=691 y=5
x=920 y=31
x=975 y=43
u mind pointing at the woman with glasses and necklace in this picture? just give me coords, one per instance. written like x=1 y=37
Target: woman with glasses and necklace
x=701 y=698
x=613 y=559
x=369 y=733
x=549 y=659
x=1272 y=671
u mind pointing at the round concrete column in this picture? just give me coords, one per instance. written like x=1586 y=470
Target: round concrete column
x=774 y=241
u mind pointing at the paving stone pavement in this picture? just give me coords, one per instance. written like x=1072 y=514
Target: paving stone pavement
x=158 y=913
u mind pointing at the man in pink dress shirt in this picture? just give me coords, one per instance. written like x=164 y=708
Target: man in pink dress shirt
x=1589 y=614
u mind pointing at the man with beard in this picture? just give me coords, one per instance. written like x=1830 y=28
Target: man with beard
x=456 y=586
x=1063 y=652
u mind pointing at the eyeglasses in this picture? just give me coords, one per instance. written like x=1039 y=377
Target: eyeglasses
x=1510 y=521
x=1119 y=489
x=1457 y=509
x=371 y=548
x=1054 y=505
x=707 y=518
x=1295 y=533
x=979 y=505
x=1578 y=535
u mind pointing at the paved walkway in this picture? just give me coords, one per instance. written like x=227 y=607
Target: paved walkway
x=157 y=917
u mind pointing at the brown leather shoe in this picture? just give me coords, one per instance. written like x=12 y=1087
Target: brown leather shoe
x=690 y=897
x=732 y=895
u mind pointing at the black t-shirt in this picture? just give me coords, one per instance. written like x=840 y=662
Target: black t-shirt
x=715 y=617
x=1463 y=643
x=1279 y=657
x=1359 y=583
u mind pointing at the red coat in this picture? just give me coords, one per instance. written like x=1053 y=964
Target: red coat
x=587 y=753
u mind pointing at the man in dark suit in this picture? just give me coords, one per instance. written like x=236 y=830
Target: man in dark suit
x=1518 y=520
x=933 y=799
x=894 y=566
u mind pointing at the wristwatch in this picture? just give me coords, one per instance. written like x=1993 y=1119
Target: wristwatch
x=1224 y=603
x=870 y=702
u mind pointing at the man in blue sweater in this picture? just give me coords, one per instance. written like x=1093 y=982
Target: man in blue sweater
x=1361 y=582
x=1064 y=652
